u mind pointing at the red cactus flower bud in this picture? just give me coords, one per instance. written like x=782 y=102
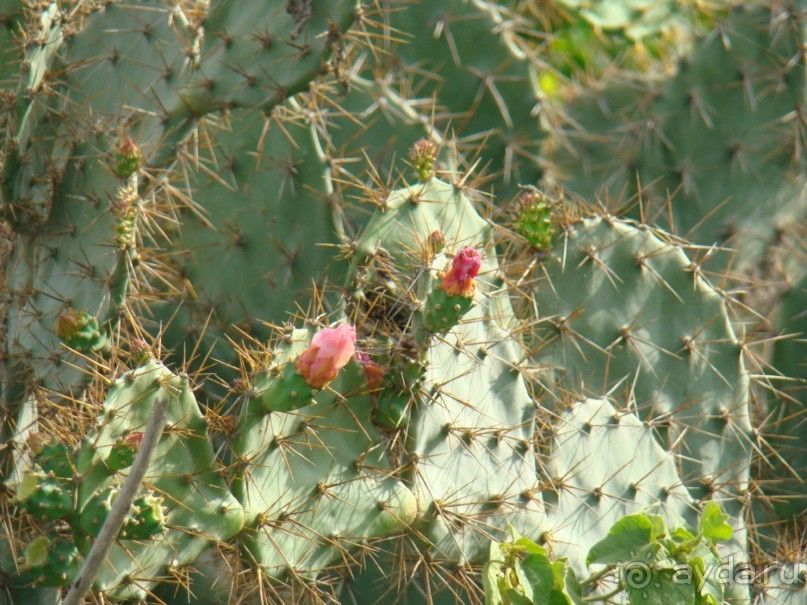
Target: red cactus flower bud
x=330 y=350
x=133 y=440
x=459 y=279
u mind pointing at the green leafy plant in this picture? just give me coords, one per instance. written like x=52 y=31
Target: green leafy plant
x=521 y=572
x=640 y=559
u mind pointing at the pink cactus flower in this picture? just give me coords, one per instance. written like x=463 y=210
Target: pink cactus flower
x=329 y=352
x=459 y=279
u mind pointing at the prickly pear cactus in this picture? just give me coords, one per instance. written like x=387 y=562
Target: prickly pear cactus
x=244 y=254
x=783 y=473
x=183 y=483
x=595 y=480
x=65 y=284
x=185 y=505
x=68 y=287
x=786 y=585
x=625 y=313
x=12 y=17
x=46 y=498
x=711 y=152
x=461 y=415
x=157 y=73
x=52 y=561
x=184 y=174
x=468 y=56
x=154 y=77
x=310 y=473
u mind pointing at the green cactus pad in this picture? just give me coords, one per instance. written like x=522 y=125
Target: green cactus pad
x=155 y=61
x=55 y=458
x=313 y=481
x=623 y=312
x=261 y=235
x=69 y=263
x=31 y=160
x=95 y=511
x=45 y=498
x=473 y=62
x=145 y=521
x=392 y=410
x=122 y=454
x=53 y=562
x=710 y=153
x=480 y=70
x=258 y=55
x=596 y=478
x=18 y=588
x=442 y=312
x=283 y=391
x=786 y=585
x=125 y=69
x=13 y=17
x=471 y=419
x=783 y=472
x=183 y=471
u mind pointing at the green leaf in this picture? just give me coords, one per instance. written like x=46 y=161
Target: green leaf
x=659 y=528
x=490 y=575
x=558 y=597
x=682 y=542
x=496 y=553
x=567 y=589
x=662 y=561
x=706 y=553
x=682 y=534
x=536 y=578
x=661 y=589
x=573 y=588
x=528 y=546
x=515 y=598
x=714 y=524
x=559 y=568
x=625 y=541
x=707 y=584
